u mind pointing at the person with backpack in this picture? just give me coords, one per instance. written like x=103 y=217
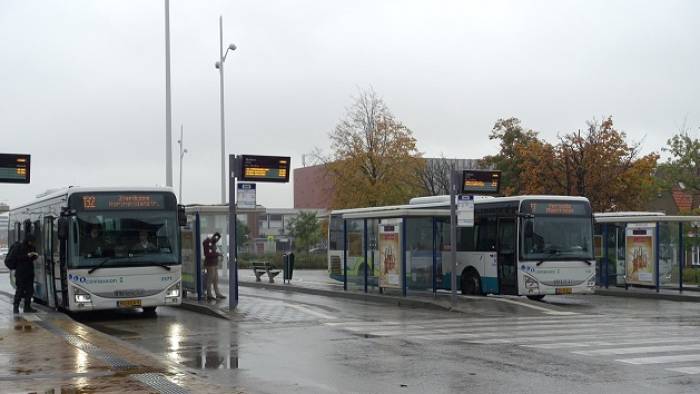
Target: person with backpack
x=22 y=256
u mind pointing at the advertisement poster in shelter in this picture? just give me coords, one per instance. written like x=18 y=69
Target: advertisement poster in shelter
x=389 y=255
x=189 y=273
x=639 y=254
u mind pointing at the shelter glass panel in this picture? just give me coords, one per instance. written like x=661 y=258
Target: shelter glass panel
x=355 y=254
x=419 y=254
x=669 y=244
x=372 y=256
x=691 y=248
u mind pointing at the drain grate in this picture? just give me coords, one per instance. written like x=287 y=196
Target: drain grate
x=160 y=383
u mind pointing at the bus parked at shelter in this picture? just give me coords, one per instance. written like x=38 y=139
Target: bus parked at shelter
x=103 y=248
x=521 y=245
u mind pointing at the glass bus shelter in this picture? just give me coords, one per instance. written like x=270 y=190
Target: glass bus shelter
x=647 y=249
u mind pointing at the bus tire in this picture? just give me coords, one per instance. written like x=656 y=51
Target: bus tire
x=538 y=297
x=471 y=282
x=149 y=310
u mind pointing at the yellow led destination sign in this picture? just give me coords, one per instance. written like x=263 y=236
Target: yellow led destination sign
x=264 y=168
x=481 y=182
x=14 y=168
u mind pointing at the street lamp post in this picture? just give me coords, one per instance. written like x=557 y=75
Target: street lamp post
x=220 y=66
x=182 y=155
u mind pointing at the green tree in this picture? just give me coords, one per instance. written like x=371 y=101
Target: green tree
x=684 y=163
x=306 y=230
x=511 y=137
x=374 y=159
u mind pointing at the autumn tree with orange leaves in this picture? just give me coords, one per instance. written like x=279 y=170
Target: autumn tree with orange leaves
x=375 y=161
x=597 y=163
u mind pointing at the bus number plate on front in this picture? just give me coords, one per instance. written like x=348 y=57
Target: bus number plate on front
x=129 y=303
x=563 y=290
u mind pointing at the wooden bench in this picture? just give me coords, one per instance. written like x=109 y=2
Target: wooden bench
x=262 y=268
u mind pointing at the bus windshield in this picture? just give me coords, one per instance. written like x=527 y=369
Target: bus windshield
x=557 y=238
x=126 y=238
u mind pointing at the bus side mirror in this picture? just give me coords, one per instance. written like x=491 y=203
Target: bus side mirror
x=62 y=228
x=529 y=230
x=181 y=216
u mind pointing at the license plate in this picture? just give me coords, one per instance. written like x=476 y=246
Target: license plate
x=563 y=290
x=129 y=303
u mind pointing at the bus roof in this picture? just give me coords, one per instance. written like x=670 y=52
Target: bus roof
x=66 y=192
x=436 y=202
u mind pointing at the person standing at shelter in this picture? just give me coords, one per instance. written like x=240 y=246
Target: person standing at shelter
x=211 y=262
x=24 y=274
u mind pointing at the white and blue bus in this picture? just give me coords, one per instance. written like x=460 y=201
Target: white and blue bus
x=104 y=248
x=522 y=245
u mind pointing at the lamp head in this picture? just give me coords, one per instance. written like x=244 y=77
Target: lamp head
x=232 y=47
x=217 y=65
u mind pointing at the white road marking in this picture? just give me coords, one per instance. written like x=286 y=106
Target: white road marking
x=311 y=312
x=637 y=350
x=686 y=370
x=535 y=307
x=660 y=359
x=640 y=341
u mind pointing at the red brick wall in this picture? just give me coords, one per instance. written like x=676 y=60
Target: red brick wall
x=313 y=188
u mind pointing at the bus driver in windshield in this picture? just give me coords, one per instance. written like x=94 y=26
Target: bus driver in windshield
x=144 y=245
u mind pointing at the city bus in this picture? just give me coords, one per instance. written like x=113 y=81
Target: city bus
x=103 y=248
x=521 y=245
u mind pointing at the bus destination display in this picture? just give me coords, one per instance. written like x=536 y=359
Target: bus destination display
x=556 y=208
x=14 y=168
x=481 y=182
x=121 y=201
x=264 y=168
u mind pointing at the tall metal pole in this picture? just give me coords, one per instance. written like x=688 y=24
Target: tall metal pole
x=453 y=237
x=168 y=125
x=182 y=155
x=232 y=227
x=223 y=132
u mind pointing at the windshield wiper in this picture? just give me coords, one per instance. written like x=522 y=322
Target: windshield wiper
x=100 y=265
x=552 y=253
x=163 y=266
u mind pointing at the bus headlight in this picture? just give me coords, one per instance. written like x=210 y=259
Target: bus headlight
x=81 y=296
x=173 y=291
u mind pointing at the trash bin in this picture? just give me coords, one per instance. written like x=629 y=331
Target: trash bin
x=288 y=260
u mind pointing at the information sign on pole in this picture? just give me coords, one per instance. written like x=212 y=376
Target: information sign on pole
x=465 y=211
x=14 y=168
x=246 y=195
x=481 y=182
x=255 y=168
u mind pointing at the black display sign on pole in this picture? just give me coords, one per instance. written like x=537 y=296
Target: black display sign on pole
x=256 y=168
x=14 y=168
x=481 y=182
x=249 y=168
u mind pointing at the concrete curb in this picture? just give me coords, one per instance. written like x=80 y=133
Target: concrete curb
x=651 y=296
x=383 y=299
x=204 y=309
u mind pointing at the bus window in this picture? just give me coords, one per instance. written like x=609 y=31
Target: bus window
x=465 y=239
x=486 y=241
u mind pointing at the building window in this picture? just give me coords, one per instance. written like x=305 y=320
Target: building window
x=695 y=256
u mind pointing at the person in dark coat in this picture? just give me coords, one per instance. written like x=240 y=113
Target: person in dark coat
x=24 y=274
x=211 y=262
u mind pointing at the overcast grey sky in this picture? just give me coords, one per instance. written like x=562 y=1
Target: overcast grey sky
x=82 y=83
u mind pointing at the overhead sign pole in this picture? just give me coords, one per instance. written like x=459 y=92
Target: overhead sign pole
x=249 y=168
x=453 y=235
x=232 y=227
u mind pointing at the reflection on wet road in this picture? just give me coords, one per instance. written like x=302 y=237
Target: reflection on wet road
x=287 y=342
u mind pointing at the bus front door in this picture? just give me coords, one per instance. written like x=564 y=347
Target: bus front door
x=507 y=269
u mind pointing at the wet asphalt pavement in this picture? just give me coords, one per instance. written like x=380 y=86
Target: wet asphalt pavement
x=280 y=341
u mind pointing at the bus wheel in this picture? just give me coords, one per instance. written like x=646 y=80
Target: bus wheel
x=149 y=310
x=538 y=297
x=471 y=283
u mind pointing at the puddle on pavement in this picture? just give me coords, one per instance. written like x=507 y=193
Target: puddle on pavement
x=211 y=360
